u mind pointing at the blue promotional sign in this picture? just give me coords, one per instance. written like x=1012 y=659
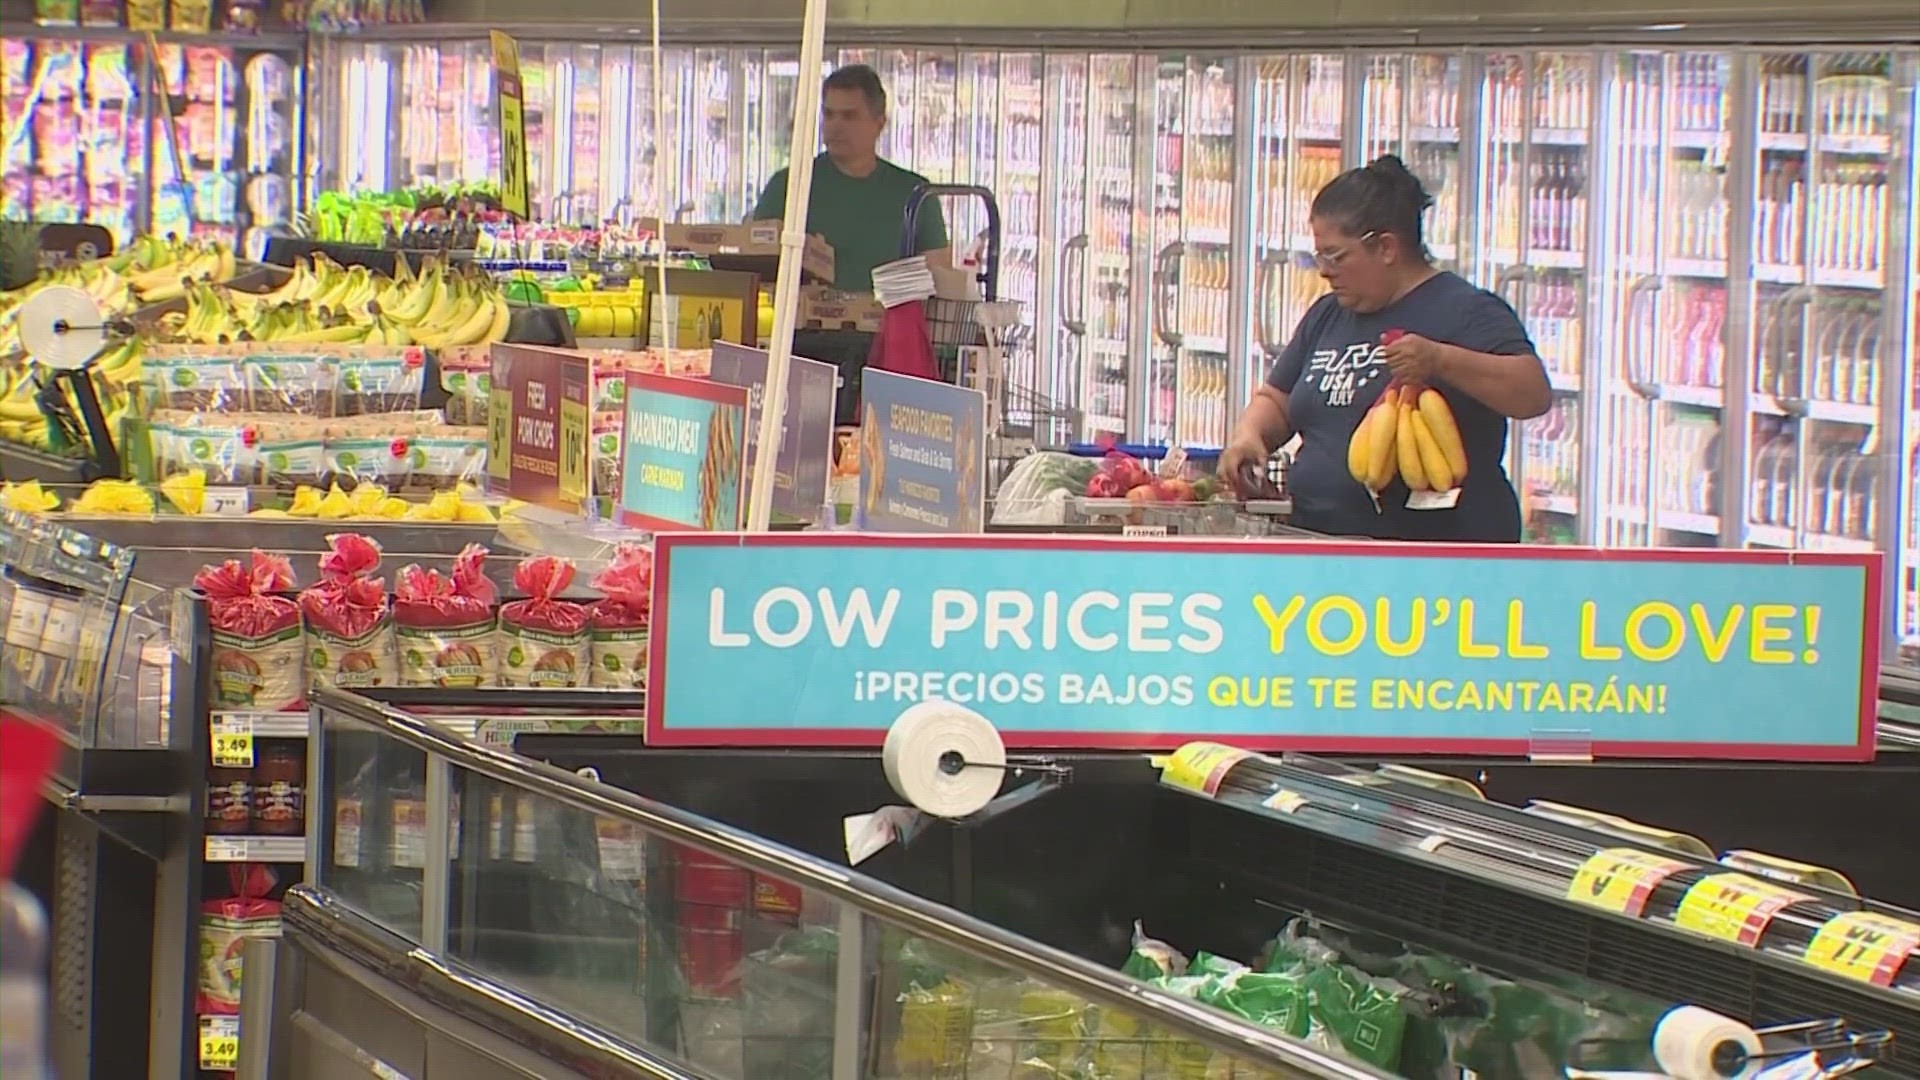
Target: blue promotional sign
x=1333 y=647
x=923 y=456
x=682 y=445
x=806 y=434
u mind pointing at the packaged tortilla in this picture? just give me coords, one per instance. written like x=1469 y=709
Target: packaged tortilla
x=293 y=452
x=543 y=639
x=619 y=621
x=466 y=374
x=257 y=651
x=445 y=459
x=443 y=626
x=194 y=380
x=366 y=459
x=349 y=623
x=225 y=927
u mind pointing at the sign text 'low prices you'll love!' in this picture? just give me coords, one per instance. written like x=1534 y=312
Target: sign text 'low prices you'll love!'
x=1315 y=645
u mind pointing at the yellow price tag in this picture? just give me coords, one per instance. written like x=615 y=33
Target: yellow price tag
x=219 y=1043
x=1201 y=766
x=233 y=742
x=1620 y=880
x=500 y=433
x=1864 y=945
x=1733 y=907
x=573 y=451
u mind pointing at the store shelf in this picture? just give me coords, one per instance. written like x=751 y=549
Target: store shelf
x=262 y=849
x=1706 y=397
x=265 y=725
x=1775 y=536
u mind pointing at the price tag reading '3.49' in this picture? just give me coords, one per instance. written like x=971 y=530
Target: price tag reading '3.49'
x=233 y=742
x=1621 y=880
x=219 y=1043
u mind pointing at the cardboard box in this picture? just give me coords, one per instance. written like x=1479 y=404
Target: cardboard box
x=753 y=247
x=822 y=308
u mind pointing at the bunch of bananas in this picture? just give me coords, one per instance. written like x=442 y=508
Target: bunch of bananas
x=116 y=375
x=1410 y=433
x=175 y=267
x=326 y=303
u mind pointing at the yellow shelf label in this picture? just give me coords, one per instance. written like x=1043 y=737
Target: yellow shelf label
x=1864 y=945
x=1200 y=766
x=219 y=1043
x=233 y=742
x=1621 y=880
x=1733 y=907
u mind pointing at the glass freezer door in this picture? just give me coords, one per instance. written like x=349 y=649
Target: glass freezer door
x=1663 y=394
x=1411 y=108
x=1105 y=254
x=1192 y=235
x=1299 y=104
x=1827 y=364
x=1531 y=247
x=1061 y=329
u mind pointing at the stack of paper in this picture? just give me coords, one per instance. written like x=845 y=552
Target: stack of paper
x=902 y=282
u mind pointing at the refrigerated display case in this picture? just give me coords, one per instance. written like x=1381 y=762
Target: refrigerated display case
x=87 y=138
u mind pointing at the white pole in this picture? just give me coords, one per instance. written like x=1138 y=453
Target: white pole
x=793 y=238
x=658 y=303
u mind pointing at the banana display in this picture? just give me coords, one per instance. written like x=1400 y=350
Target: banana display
x=1409 y=433
x=326 y=303
x=116 y=375
x=149 y=271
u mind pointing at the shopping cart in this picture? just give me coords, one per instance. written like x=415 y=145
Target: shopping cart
x=972 y=339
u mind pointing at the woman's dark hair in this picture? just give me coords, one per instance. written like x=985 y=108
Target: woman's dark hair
x=1380 y=197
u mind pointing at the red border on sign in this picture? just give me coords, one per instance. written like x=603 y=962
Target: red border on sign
x=1862 y=749
x=700 y=390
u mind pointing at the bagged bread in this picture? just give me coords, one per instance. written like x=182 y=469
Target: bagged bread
x=444 y=625
x=349 y=621
x=543 y=639
x=257 y=651
x=618 y=649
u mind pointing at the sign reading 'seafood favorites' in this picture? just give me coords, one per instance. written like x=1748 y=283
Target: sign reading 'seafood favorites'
x=1268 y=644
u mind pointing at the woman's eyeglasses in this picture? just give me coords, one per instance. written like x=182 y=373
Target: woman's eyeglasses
x=1330 y=260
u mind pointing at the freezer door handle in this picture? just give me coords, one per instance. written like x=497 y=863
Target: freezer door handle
x=1645 y=384
x=1167 y=298
x=1265 y=304
x=1073 y=283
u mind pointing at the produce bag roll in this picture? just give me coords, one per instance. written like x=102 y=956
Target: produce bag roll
x=257 y=651
x=619 y=636
x=543 y=639
x=349 y=618
x=444 y=625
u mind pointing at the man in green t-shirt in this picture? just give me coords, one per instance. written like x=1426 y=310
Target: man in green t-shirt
x=858 y=201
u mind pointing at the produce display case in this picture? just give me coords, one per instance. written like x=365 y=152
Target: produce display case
x=1381 y=854
x=598 y=933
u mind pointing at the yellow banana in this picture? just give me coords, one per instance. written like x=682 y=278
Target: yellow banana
x=1406 y=449
x=502 y=317
x=1439 y=473
x=1446 y=433
x=1380 y=434
x=1357 y=449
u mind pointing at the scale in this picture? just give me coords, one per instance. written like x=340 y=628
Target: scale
x=63 y=329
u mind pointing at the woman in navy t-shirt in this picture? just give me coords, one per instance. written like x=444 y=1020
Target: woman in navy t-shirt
x=1458 y=339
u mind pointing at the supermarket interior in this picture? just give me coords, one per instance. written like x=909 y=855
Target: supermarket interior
x=414 y=668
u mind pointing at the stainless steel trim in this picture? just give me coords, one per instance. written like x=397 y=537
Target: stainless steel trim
x=884 y=902
x=1736 y=423
x=323 y=929
x=259 y=958
x=435 y=891
x=849 y=997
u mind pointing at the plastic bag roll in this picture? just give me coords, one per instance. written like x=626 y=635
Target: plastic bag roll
x=1692 y=1043
x=924 y=744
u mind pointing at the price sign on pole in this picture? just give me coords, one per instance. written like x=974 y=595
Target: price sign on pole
x=509 y=97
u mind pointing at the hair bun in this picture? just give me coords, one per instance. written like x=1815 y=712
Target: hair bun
x=1390 y=168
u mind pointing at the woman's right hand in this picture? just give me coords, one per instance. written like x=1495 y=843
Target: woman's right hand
x=1243 y=467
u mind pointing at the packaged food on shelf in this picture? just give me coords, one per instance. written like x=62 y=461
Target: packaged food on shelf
x=444 y=625
x=225 y=927
x=279 y=789
x=348 y=617
x=543 y=638
x=620 y=619
x=257 y=655
x=229 y=800
x=466 y=375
